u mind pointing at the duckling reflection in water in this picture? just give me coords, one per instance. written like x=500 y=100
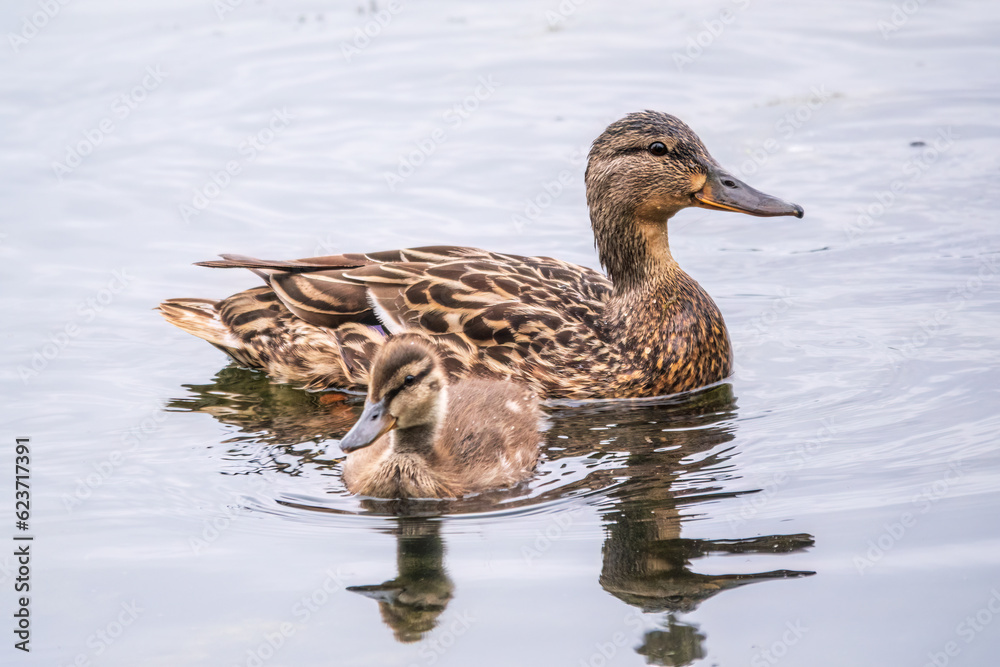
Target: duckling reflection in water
x=412 y=602
x=419 y=437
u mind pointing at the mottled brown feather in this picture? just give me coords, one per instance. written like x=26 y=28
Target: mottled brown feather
x=565 y=330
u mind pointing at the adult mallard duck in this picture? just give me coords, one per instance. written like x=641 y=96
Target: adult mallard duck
x=570 y=332
x=421 y=437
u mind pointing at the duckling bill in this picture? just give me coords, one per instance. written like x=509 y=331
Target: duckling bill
x=646 y=328
x=421 y=437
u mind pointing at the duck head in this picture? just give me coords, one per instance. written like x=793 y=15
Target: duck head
x=407 y=390
x=645 y=168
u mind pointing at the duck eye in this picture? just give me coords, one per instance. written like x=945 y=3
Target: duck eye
x=658 y=148
x=408 y=380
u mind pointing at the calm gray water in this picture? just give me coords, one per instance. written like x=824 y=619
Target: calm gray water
x=183 y=510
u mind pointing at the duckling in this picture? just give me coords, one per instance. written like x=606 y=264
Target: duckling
x=645 y=329
x=420 y=436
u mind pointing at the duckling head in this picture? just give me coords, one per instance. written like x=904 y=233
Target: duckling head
x=645 y=168
x=407 y=391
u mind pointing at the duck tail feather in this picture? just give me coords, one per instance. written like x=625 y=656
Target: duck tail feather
x=198 y=317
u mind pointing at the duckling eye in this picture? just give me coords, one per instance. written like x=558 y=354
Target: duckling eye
x=408 y=380
x=658 y=148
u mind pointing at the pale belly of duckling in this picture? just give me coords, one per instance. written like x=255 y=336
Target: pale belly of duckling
x=409 y=475
x=397 y=475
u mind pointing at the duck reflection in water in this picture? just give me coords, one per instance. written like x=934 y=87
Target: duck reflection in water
x=412 y=602
x=264 y=412
x=652 y=465
x=676 y=460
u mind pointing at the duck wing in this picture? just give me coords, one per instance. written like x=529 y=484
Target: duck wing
x=431 y=254
x=483 y=297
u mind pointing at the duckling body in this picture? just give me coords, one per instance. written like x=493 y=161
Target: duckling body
x=428 y=438
x=645 y=329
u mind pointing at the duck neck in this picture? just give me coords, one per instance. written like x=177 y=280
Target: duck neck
x=634 y=250
x=414 y=440
x=649 y=286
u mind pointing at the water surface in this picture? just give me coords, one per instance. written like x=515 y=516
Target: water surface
x=834 y=502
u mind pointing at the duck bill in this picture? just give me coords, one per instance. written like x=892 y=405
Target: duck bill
x=378 y=592
x=725 y=192
x=374 y=422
